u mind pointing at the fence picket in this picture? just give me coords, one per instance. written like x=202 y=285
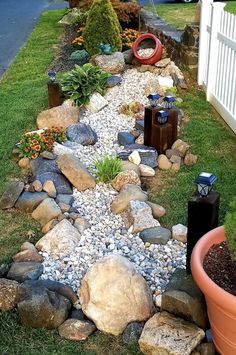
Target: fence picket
x=217 y=59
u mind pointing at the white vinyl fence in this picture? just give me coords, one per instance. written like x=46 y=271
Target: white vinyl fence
x=217 y=59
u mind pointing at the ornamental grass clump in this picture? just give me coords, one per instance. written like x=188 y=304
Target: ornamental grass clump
x=32 y=144
x=80 y=83
x=102 y=26
x=107 y=168
x=230 y=228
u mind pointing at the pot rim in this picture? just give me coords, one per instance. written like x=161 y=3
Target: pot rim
x=141 y=39
x=205 y=283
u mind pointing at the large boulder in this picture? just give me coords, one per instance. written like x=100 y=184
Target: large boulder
x=113 y=294
x=139 y=215
x=167 y=334
x=124 y=178
x=59 y=116
x=11 y=195
x=60 y=241
x=129 y=192
x=75 y=172
x=28 y=201
x=22 y=271
x=39 y=307
x=46 y=211
x=8 y=294
x=74 y=329
x=113 y=64
x=81 y=133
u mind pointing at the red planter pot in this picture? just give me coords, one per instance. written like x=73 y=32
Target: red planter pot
x=221 y=305
x=158 y=48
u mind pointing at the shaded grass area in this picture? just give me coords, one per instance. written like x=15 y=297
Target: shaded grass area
x=18 y=340
x=215 y=146
x=23 y=94
x=179 y=14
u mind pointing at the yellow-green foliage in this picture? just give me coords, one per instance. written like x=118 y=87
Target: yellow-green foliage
x=230 y=228
x=102 y=26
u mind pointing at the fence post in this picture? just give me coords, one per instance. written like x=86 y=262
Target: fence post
x=217 y=9
x=204 y=20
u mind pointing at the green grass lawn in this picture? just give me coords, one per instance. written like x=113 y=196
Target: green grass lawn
x=179 y=15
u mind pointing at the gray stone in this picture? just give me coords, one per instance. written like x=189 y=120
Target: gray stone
x=28 y=246
x=127 y=166
x=65 y=198
x=4 y=268
x=139 y=215
x=81 y=133
x=39 y=307
x=167 y=334
x=81 y=224
x=206 y=349
x=113 y=64
x=113 y=81
x=132 y=332
x=148 y=155
x=184 y=299
x=128 y=193
x=46 y=211
x=125 y=138
x=11 y=195
x=77 y=314
x=28 y=270
x=28 y=201
x=139 y=125
x=179 y=232
x=155 y=235
x=128 y=56
x=77 y=330
x=44 y=169
x=48 y=155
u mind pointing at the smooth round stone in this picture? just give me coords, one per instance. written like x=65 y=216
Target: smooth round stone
x=155 y=235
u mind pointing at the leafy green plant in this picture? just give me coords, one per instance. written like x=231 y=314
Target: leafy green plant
x=107 y=168
x=80 y=83
x=102 y=26
x=32 y=144
x=230 y=228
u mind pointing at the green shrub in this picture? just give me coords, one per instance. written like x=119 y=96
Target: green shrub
x=107 y=168
x=80 y=83
x=102 y=26
x=230 y=228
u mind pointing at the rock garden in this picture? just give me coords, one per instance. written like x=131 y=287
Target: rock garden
x=105 y=260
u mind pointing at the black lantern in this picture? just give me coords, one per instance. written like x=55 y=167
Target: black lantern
x=205 y=182
x=153 y=99
x=52 y=75
x=162 y=117
x=169 y=101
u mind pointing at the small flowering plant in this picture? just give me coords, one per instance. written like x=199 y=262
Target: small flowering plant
x=32 y=144
x=128 y=36
x=79 y=40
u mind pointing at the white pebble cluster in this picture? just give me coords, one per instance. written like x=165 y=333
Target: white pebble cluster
x=145 y=52
x=108 y=233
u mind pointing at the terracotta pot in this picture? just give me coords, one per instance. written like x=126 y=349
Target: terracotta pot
x=221 y=305
x=156 y=43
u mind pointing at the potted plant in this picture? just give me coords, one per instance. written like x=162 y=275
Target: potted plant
x=213 y=266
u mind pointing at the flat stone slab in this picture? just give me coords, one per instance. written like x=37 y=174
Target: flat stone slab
x=28 y=201
x=11 y=195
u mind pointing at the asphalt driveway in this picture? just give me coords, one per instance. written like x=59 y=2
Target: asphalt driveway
x=17 y=20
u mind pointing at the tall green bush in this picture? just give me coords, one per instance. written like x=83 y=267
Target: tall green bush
x=102 y=26
x=230 y=228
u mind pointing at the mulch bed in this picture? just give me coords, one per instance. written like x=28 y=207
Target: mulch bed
x=220 y=267
x=62 y=61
